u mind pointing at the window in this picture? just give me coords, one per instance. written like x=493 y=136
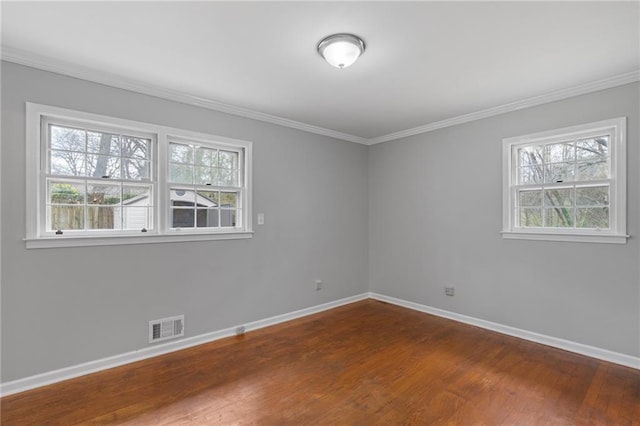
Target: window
x=205 y=186
x=95 y=180
x=567 y=185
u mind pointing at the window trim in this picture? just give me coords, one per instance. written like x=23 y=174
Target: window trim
x=618 y=186
x=36 y=236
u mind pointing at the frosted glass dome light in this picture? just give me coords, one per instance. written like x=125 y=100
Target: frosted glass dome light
x=341 y=50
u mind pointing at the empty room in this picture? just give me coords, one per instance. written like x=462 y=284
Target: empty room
x=320 y=213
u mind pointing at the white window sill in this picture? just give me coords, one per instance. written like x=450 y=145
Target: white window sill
x=592 y=237
x=116 y=240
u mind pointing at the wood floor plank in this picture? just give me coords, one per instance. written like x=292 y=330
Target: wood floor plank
x=364 y=363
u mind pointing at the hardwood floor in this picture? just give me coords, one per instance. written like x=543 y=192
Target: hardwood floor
x=364 y=363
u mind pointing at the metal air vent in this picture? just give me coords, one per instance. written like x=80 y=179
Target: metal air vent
x=166 y=328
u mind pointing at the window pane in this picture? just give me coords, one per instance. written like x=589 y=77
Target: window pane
x=103 y=166
x=227 y=218
x=181 y=197
x=530 y=156
x=65 y=193
x=181 y=153
x=591 y=170
x=228 y=160
x=559 y=172
x=205 y=175
x=560 y=152
x=560 y=217
x=212 y=196
x=207 y=218
x=532 y=174
x=593 y=217
x=206 y=157
x=103 y=217
x=137 y=218
x=65 y=217
x=559 y=197
x=227 y=177
x=67 y=163
x=530 y=217
x=136 y=169
x=595 y=148
x=133 y=147
x=103 y=194
x=530 y=197
x=592 y=196
x=136 y=196
x=67 y=139
x=229 y=199
x=103 y=143
x=203 y=200
x=179 y=173
x=182 y=218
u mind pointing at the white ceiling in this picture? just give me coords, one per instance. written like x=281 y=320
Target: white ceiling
x=425 y=61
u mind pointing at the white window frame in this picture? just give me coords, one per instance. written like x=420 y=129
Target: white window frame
x=48 y=120
x=37 y=117
x=616 y=233
x=181 y=139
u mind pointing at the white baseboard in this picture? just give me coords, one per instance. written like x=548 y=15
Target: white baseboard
x=567 y=345
x=55 y=376
x=50 y=377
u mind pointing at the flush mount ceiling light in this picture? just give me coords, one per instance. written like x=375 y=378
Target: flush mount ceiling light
x=341 y=50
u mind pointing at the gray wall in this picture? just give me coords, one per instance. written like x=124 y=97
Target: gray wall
x=65 y=306
x=431 y=217
x=435 y=219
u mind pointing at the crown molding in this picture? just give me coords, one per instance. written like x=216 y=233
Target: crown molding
x=45 y=63
x=557 y=95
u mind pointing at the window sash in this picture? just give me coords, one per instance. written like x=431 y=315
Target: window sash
x=194 y=201
x=572 y=204
x=543 y=164
x=123 y=163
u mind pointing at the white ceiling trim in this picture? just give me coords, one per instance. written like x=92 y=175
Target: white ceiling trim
x=557 y=95
x=60 y=67
x=84 y=73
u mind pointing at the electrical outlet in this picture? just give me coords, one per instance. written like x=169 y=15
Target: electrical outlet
x=449 y=291
x=318 y=285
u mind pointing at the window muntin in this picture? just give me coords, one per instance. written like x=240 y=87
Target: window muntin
x=97 y=180
x=205 y=186
x=566 y=182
